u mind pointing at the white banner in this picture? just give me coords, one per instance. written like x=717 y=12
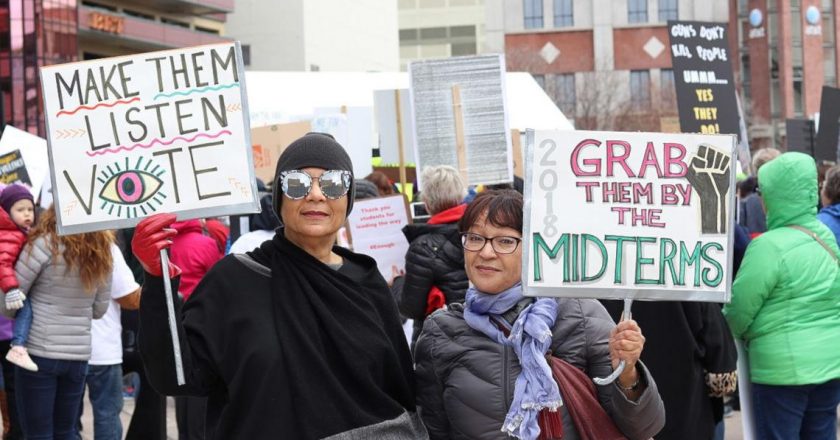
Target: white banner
x=156 y=132
x=629 y=215
x=33 y=151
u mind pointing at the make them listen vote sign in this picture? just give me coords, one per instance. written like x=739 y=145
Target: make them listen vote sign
x=156 y=132
x=638 y=215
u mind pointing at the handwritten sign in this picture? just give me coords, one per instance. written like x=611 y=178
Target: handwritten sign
x=639 y=215
x=155 y=132
x=269 y=143
x=703 y=77
x=13 y=170
x=18 y=144
x=376 y=229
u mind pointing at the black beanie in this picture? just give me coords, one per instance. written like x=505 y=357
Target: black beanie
x=319 y=150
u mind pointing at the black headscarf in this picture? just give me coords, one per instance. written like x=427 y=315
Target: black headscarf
x=343 y=355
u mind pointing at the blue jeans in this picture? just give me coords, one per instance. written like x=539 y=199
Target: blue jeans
x=48 y=400
x=806 y=412
x=23 y=321
x=106 y=399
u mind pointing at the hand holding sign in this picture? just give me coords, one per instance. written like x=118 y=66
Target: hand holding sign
x=708 y=173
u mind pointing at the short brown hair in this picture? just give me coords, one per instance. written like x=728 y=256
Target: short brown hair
x=503 y=209
x=831 y=184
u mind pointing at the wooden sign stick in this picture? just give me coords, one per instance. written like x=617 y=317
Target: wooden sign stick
x=460 y=143
x=400 y=146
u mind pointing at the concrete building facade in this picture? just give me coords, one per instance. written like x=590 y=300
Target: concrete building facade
x=317 y=35
x=440 y=29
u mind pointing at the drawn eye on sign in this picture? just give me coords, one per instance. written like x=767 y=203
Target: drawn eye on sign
x=132 y=188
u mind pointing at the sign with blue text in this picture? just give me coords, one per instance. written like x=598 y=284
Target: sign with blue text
x=156 y=132
x=629 y=215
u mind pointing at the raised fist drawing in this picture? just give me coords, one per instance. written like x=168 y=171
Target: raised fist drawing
x=708 y=173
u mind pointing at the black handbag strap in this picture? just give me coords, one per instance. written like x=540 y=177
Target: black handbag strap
x=813 y=235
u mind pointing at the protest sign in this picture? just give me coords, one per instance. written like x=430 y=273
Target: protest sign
x=390 y=124
x=703 y=77
x=352 y=127
x=460 y=117
x=828 y=133
x=800 y=135
x=629 y=215
x=376 y=230
x=270 y=141
x=156 y=132
x=18 y=144
x=13 y=170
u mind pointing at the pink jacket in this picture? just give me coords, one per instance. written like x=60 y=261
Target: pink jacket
x=194 y=252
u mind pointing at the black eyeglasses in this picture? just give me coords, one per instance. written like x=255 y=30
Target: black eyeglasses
x=334 y=184
x=501 y=244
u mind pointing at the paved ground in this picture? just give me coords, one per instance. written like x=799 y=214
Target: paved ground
x=733 y=424
x=128 y=409
x=734 y=429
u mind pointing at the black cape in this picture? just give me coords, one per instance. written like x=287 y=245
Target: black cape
x=287 y=348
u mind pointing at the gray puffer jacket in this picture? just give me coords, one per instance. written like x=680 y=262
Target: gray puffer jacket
x=61 y=309
x=466 y=380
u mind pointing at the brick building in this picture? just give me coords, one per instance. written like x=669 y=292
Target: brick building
x=608 y=66
x=35 y=33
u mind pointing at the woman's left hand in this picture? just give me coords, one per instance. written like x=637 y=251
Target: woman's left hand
x=626 y=343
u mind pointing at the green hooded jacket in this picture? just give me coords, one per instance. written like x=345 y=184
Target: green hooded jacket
x=786 y=297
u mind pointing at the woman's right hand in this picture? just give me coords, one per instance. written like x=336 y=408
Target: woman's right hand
x=152 y=235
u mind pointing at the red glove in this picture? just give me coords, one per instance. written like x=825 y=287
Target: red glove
x=435 y=300
x=150 y=237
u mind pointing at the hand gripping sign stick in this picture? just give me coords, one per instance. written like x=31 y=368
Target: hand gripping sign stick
x=628 y=302
x=170 y=311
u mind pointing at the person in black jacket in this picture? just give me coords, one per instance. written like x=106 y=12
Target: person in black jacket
x=299 y=339
x=434 y=263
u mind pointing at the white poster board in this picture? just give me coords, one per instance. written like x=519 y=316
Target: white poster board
x=376 y=229
x=480 y=80
x=385 y=107
x=33 y=150
x=352 y=127
x=629 y=215
x=156 y=132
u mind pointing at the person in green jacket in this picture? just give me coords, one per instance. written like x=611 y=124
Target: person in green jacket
x=786 y=307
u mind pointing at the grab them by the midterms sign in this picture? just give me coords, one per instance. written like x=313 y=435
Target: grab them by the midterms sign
x=638 y=215
x=155 y=132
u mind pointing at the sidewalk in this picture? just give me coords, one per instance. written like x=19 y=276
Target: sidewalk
x=128 y=409
x=735 y=432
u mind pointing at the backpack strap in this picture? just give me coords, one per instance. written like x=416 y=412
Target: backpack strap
x=813 y=235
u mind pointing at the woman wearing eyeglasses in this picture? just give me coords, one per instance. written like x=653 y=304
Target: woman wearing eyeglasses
x=298 y=339
x=481 y=366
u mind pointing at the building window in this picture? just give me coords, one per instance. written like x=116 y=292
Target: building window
x=137 y=14
x=667 y=89
x=637 y=11
x=533 y=14
x=175 y=22
x=540 y=80
x=668 y=10
x=459 y=49
x=640 y=89
x=246 y=54
x=564 y=92
x=563 y=13
x=207 y=30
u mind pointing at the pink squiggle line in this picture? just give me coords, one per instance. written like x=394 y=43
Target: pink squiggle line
x=156 y=141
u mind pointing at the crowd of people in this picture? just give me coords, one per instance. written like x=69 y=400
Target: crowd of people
x=285 y=334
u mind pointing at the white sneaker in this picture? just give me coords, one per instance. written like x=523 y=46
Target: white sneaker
x=20 y=357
